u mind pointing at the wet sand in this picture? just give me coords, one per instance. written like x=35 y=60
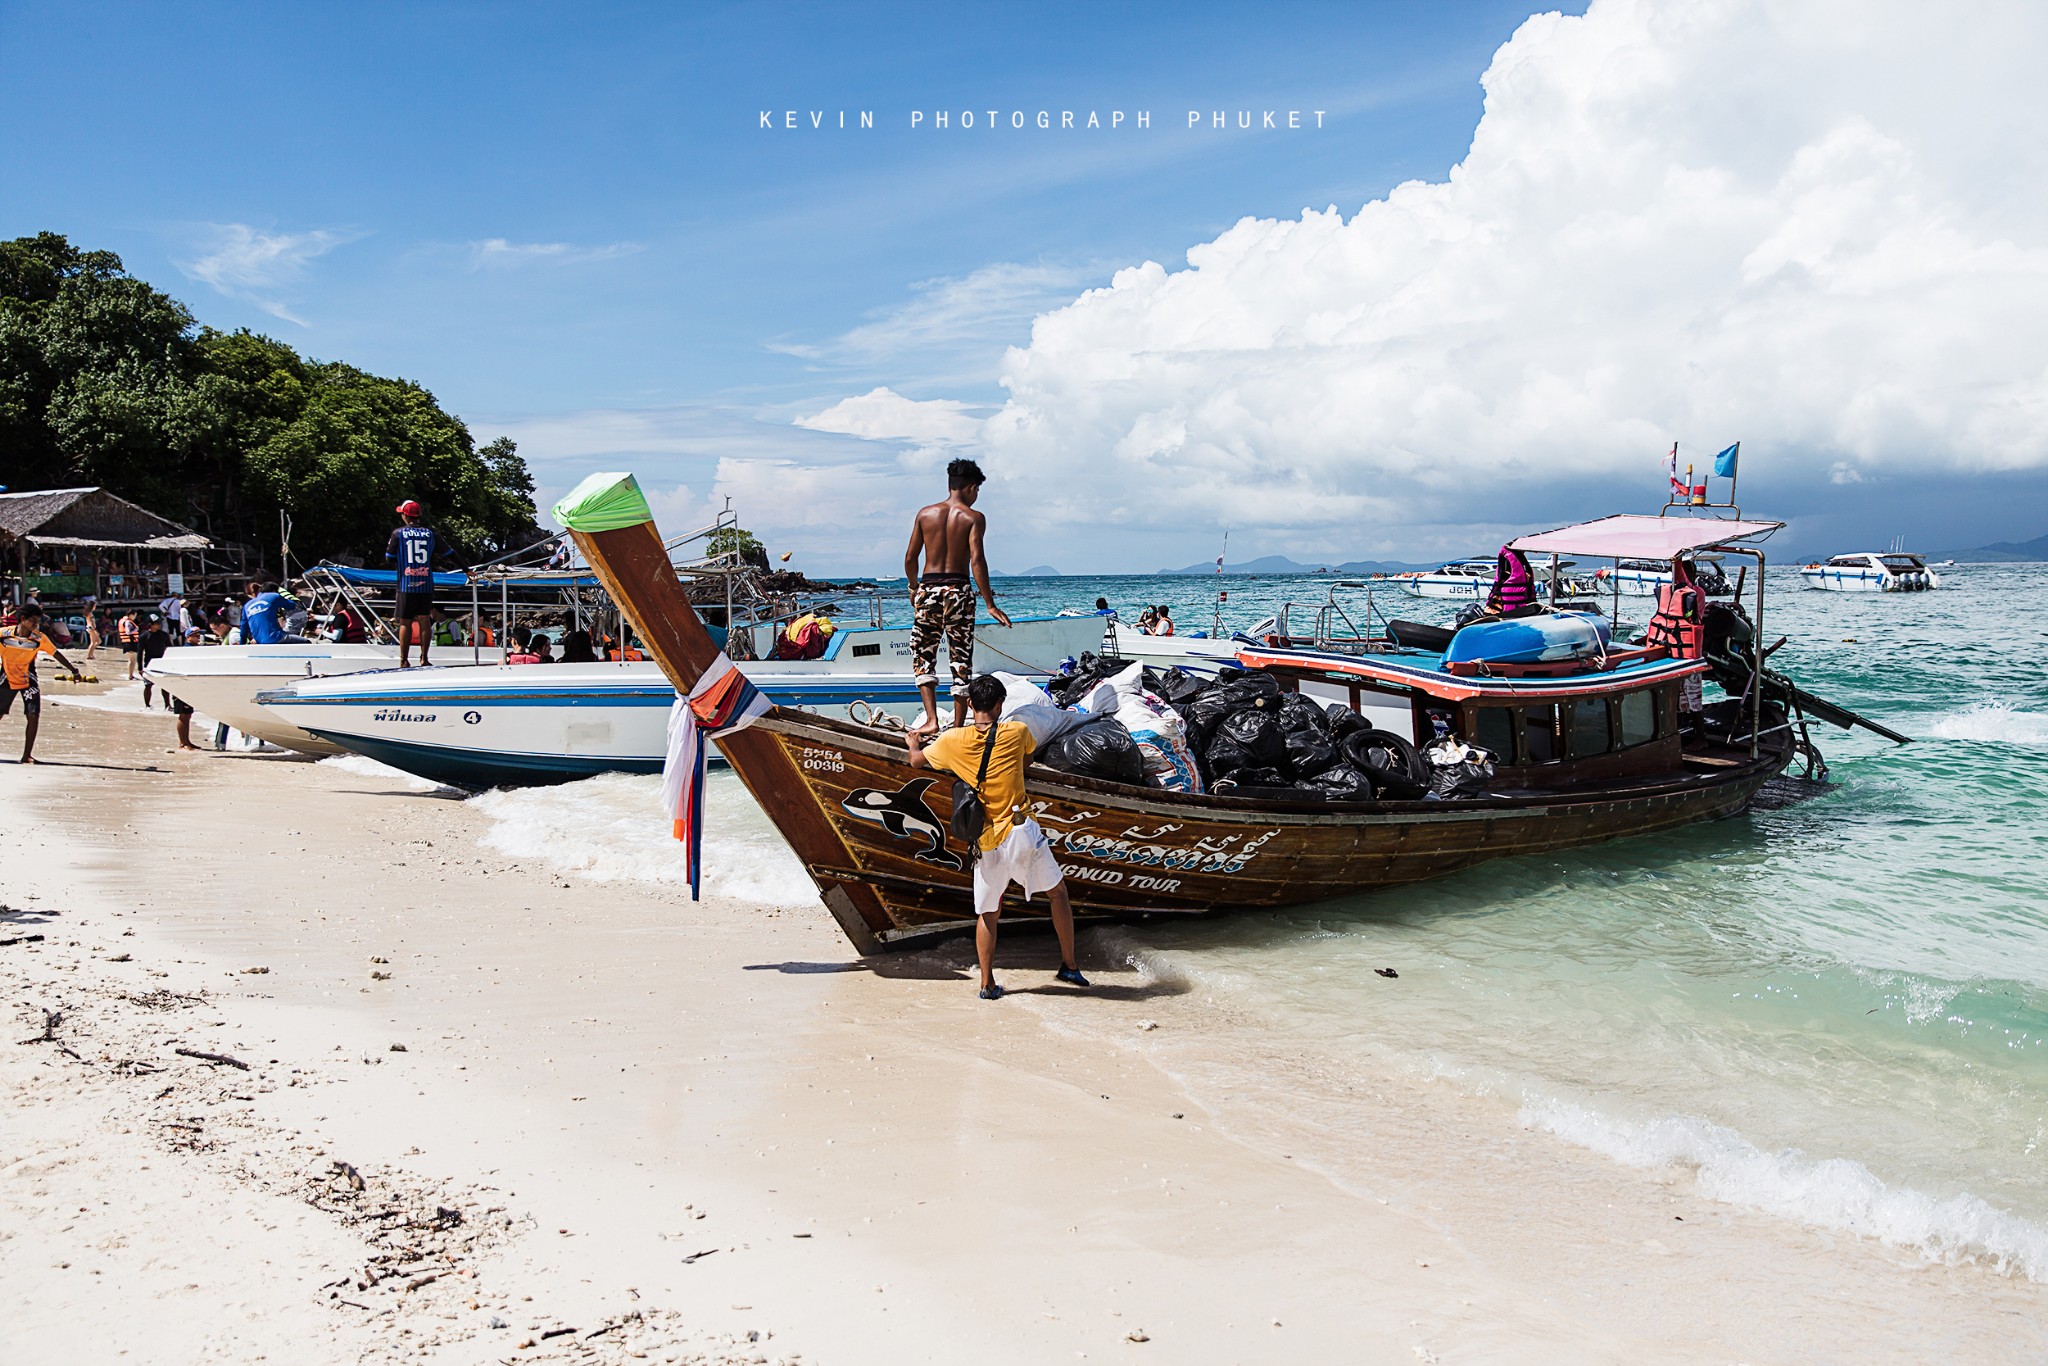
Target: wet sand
x=670 y=1126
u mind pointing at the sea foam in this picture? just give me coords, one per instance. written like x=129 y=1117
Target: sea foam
x=1829 y=1193
x=363 y=766
x=611 y=828
x=1997 y=722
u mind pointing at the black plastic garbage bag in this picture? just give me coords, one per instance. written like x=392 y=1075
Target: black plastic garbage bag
x=1458 y=770
x=1222 y=756
x=1398 y=772
x=1258 y=734
x=1343 y=721
x=1298 y=713
x=1343 y=783
x=1178 y=686
x=1309 y=752
x=1100 y=749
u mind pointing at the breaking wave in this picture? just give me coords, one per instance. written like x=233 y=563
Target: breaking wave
x=611 y=829
x=1828 y=1193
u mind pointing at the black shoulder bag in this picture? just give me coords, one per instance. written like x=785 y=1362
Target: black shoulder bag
x=970 y=813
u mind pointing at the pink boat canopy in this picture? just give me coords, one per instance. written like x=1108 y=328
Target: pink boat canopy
x=1635 y=537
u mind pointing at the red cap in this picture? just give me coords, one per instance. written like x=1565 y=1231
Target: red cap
x=408 y=508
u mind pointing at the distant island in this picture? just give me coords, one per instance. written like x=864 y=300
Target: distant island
x=1280 y=564
x=1037 y=571
x=2006 y=552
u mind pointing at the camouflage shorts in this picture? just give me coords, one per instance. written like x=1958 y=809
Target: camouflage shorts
x=943 y=611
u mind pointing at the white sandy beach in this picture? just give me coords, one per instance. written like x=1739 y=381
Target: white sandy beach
x=597 y=1122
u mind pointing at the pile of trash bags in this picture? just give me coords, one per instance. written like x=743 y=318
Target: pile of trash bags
x=1236 y=733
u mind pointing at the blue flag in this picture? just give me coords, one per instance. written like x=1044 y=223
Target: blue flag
x=1724 y=463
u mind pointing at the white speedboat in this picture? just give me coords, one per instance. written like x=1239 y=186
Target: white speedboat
x=516 y=725
x=501 y=725
x=1634 y=578
x=223 y=680
x=1868 y=572
x=1465 y=579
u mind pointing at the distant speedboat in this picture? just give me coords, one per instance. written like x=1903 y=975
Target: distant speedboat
x=1868 y=572
x=1463 y=579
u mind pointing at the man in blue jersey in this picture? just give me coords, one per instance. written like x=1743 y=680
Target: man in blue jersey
x=414 y=548
x=263 y=615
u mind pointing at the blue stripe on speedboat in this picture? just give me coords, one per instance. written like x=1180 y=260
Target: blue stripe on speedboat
x=810 y=694
x=480 y=768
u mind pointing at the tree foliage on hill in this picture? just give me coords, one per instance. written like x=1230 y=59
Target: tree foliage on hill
x=105 y=380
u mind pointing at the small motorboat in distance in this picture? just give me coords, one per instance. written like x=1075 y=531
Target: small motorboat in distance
x=1582 y=750
x=1869 y=572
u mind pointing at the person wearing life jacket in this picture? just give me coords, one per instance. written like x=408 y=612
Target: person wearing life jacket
x=1679 y=628
x=1514 y=584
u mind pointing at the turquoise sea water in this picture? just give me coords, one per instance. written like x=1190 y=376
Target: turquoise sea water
x=1835 y=1009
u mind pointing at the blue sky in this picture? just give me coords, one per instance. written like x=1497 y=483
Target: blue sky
x=567 y=222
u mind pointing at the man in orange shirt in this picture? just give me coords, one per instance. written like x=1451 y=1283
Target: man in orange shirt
x=19 y=646
x=1012 y=847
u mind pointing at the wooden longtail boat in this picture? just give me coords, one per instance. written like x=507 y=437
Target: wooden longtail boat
x=1587 y=755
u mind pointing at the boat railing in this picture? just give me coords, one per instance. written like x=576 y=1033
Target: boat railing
x=1330 y=615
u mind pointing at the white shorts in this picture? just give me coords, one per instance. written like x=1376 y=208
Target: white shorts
x=1023 y=858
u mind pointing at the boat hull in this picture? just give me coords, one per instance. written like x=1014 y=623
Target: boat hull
x=1452 y=586
x=222 y=681
x=1831 y=579
x=870 y=831
x=536 y=724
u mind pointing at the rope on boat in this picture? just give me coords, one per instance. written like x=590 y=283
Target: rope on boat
x=874 y=718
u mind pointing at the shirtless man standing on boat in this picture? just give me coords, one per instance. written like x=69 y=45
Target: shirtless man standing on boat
x=948 y=535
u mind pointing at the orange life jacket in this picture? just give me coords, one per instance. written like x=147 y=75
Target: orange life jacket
x=1678 y=626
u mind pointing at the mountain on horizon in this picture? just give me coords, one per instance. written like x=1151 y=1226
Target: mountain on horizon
x=1280 y=564
x=1036 y=571
x=1999 y=552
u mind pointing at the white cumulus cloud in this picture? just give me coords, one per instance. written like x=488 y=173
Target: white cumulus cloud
x=882 y=414
x=1813 y=225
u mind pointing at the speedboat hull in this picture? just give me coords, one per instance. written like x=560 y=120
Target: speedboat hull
x=531 y=725
x=1869 y=573
x=222 y=681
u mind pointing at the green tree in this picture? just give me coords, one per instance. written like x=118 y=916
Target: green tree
x=104 y=380
x=735 y=541
x=95 y=372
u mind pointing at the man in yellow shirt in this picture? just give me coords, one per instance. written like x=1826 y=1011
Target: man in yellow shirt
x=1012 y=847
x=19 y=646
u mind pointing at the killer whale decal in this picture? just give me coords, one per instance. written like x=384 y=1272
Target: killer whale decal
x=903 y=814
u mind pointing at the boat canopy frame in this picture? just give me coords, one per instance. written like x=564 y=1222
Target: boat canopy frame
x=1635 y=536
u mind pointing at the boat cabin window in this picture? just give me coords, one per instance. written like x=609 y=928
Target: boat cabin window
x=1494 y=729
x=1903 y=564
x=1539 y=735
x=1846 y=562
x=1638 y=717
x=1589 y=727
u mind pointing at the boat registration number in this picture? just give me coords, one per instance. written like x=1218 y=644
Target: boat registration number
x=822 y=760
